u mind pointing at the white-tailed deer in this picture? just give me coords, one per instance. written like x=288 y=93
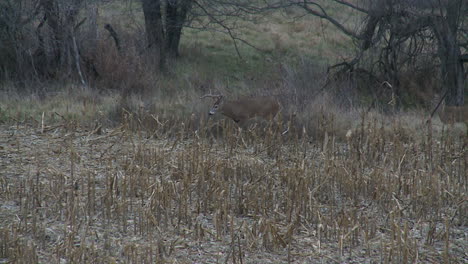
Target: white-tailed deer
x=245 y=108
x=454 y=114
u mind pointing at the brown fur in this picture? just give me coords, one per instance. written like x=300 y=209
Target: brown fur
x=454 y=114
x=246 y=108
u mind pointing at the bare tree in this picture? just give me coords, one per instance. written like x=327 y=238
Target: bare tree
x=446 y=25
x=15 y=30
x=403 y=33
x=40 y=36
x=165 y=20
x=176 y=16
x=57 y=42
x=154 y=29
x=165 y=35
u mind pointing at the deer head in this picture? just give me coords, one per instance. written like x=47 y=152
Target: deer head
x=219 y=101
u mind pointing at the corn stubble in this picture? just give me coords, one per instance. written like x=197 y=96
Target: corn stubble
x=220 y=194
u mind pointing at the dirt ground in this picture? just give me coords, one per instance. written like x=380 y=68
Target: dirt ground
x=71 y=196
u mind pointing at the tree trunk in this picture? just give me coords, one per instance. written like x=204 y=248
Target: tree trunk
x=175 y=18
x=52 y=18
x=452 y=71
x=9 y=44
x=154 y=30
x=55 y=53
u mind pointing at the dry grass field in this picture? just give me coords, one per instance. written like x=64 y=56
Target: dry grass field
x=220 y=195
x=129 y=169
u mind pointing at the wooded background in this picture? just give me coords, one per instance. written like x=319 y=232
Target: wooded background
x=423 y=42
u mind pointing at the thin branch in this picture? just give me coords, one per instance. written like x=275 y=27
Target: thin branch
x=77 y=61
x=352 y=6
x=324 y=15
x=438 y=104
x=114 y=35
x=228 y=30
x=79 y=24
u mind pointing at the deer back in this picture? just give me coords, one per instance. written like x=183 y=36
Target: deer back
x=249 y=107
x=454 y=114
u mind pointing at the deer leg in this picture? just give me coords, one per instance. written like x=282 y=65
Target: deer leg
x=242 y=123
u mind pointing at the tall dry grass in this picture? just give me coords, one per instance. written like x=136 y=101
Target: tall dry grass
x=182 y=195
x=132 y=170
